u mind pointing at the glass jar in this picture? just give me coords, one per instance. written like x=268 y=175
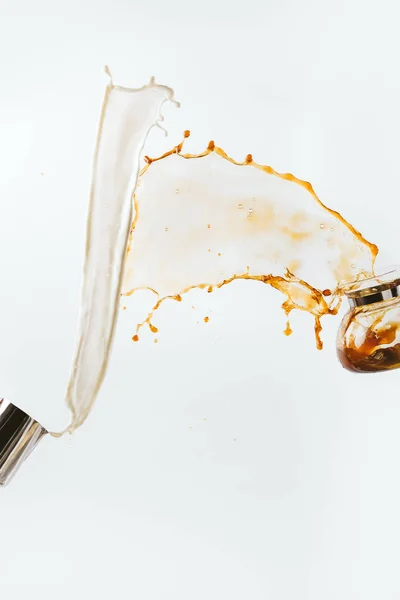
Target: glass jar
x=368 y=340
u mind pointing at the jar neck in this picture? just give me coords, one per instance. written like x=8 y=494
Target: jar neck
x=374 y=294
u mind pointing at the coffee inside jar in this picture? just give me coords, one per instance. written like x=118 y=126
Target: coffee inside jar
x=369 y=335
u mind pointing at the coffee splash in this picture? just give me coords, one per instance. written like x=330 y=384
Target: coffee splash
x=202 y=221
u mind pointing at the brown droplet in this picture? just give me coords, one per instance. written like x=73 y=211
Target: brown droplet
x=210 y=289
x=327 y=293
x=153 y=328
x=249 y=158
x=135 y=338
x=206 y=319
x=288 y=330
x=211 y=145
x=178 y=298
x=186 y=133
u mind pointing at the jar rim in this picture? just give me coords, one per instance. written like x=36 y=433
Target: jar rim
x=374 y=285
x=373 y=289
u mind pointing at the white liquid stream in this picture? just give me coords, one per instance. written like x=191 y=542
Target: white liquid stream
x=126 y=119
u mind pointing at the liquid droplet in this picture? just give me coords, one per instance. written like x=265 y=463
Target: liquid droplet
x=288 y=330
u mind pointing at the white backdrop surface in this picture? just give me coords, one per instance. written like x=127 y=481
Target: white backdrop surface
x=227 y=461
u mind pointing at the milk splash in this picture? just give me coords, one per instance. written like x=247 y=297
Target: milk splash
x=127 y=117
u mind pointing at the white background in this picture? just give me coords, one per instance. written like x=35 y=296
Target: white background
x=226 y=462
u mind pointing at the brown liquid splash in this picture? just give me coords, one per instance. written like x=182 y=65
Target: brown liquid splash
x=203 y=221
